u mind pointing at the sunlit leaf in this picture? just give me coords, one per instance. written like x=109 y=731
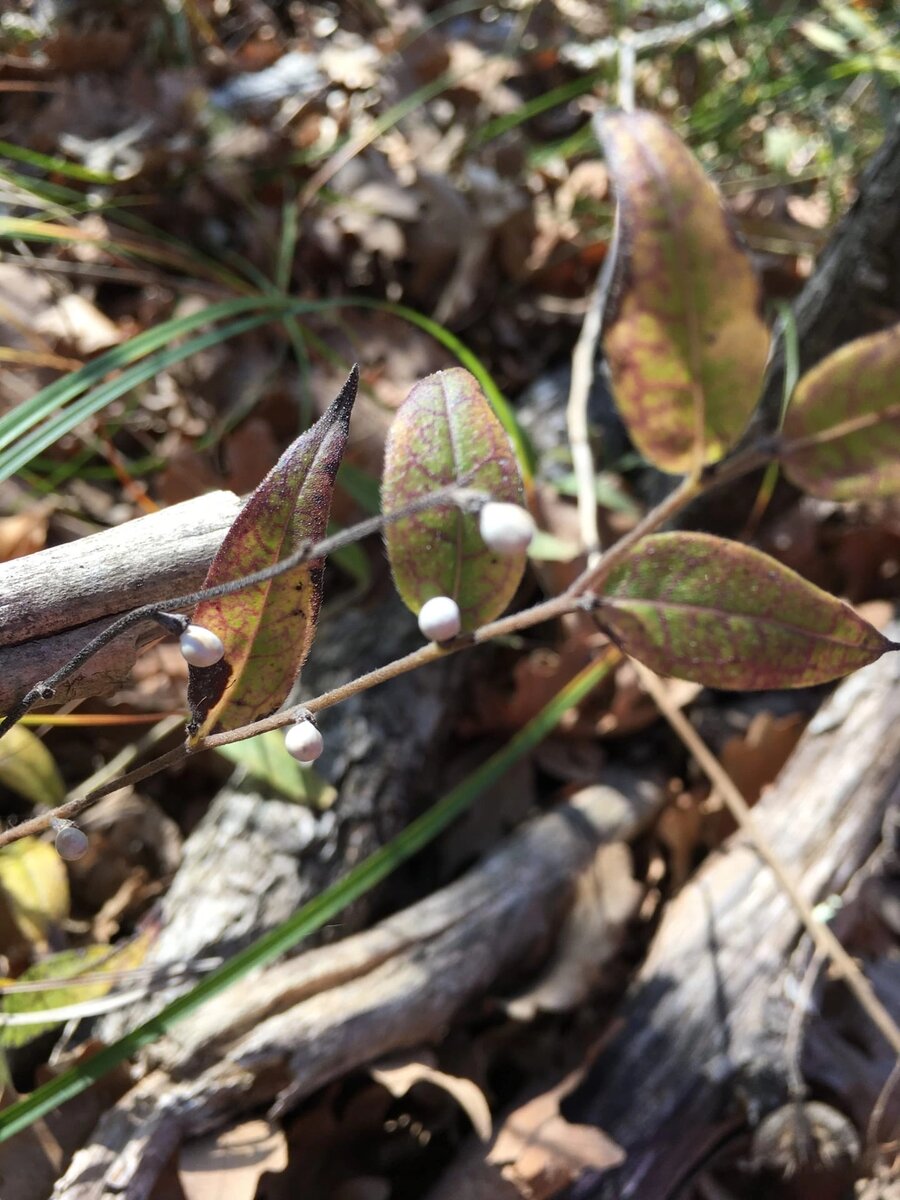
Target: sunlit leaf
x=27 y=768
x=683 y=337
x=445 y=432
x=725 y=615
x=268 y=629
x=34 y=887
x=842 y=431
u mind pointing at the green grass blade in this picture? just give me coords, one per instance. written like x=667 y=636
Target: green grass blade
x=54 y=164
x=311 y=916
x=471 y=362
x=31 y=427
x=26 y=448
x=20 y=419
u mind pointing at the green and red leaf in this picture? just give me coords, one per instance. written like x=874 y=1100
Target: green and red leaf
x=728 y=616
x=683 y=337
x=842 y=430
x=446 y=433
x=267 y=629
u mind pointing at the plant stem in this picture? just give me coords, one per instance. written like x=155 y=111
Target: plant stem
x=44 y=689
x=583 y=594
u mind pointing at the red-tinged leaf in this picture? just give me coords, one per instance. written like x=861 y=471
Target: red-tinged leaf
x=842 y=431
x=725 y=615
x=446 y=433
x=683 y=337
x=268 y=629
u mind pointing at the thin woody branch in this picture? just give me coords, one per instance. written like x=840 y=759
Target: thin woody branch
x=583 y=594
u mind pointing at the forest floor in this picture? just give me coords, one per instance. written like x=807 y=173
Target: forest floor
x=385 y=159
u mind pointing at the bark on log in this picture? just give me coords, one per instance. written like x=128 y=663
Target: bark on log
x=311 y=1019
x=702 y=1032
x=254 y=859
x=53 y=602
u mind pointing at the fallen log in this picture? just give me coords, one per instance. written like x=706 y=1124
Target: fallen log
x=52 y=603
x=699 y=1052
x=254 y=858
x=309 y=1020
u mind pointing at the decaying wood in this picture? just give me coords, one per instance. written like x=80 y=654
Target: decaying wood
x=703 y=1033
x=309 y=1020
x=254 y=859
x=53 y=602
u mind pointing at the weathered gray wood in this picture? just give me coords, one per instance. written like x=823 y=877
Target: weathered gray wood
x=309 y=1020
x=702 y=1033
x=254 y=859
x=53 y=602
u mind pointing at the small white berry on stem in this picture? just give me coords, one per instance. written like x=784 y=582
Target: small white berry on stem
x=303 y=742
x=71 y=842
x=201 y=647
x=439 y=619
x=506 y=528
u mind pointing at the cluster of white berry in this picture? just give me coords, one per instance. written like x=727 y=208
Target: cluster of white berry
x=504 y=528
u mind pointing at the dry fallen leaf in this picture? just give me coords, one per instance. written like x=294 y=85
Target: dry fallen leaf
x=540 y=1152
x=755 y=759
x=77 y=322
x=25 y=532
x=231 y=1162
x=398 y=1075
x=535 y=1154
x=606 y=899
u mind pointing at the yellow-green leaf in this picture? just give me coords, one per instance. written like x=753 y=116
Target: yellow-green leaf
x=841 y=436
x=683 y=337
x=35 y=887
x=66 y=966
x=268 y=629
x=719 y=613
x=27 y=767
x=446 y=433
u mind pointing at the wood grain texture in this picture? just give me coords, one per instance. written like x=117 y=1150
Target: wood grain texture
x=702 y=1033
x=311 y=1019
x=53 y=602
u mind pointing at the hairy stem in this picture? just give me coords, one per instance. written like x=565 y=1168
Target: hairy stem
x=158 y=612
x=583 y=594
x=546 y=611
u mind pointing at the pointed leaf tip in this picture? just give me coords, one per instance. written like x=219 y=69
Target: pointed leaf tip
x=342 y=405
x=267 y=629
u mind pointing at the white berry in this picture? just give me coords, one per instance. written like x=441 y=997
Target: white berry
x=439 y=619
x=303 y=742
x=201 y=647
x=506 y=528
x=71 y=843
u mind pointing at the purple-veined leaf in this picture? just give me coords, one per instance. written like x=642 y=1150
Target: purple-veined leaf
x=446 y=433
x=842 y=430
x=719 y=613
x=267 y=629
x=682 y=335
